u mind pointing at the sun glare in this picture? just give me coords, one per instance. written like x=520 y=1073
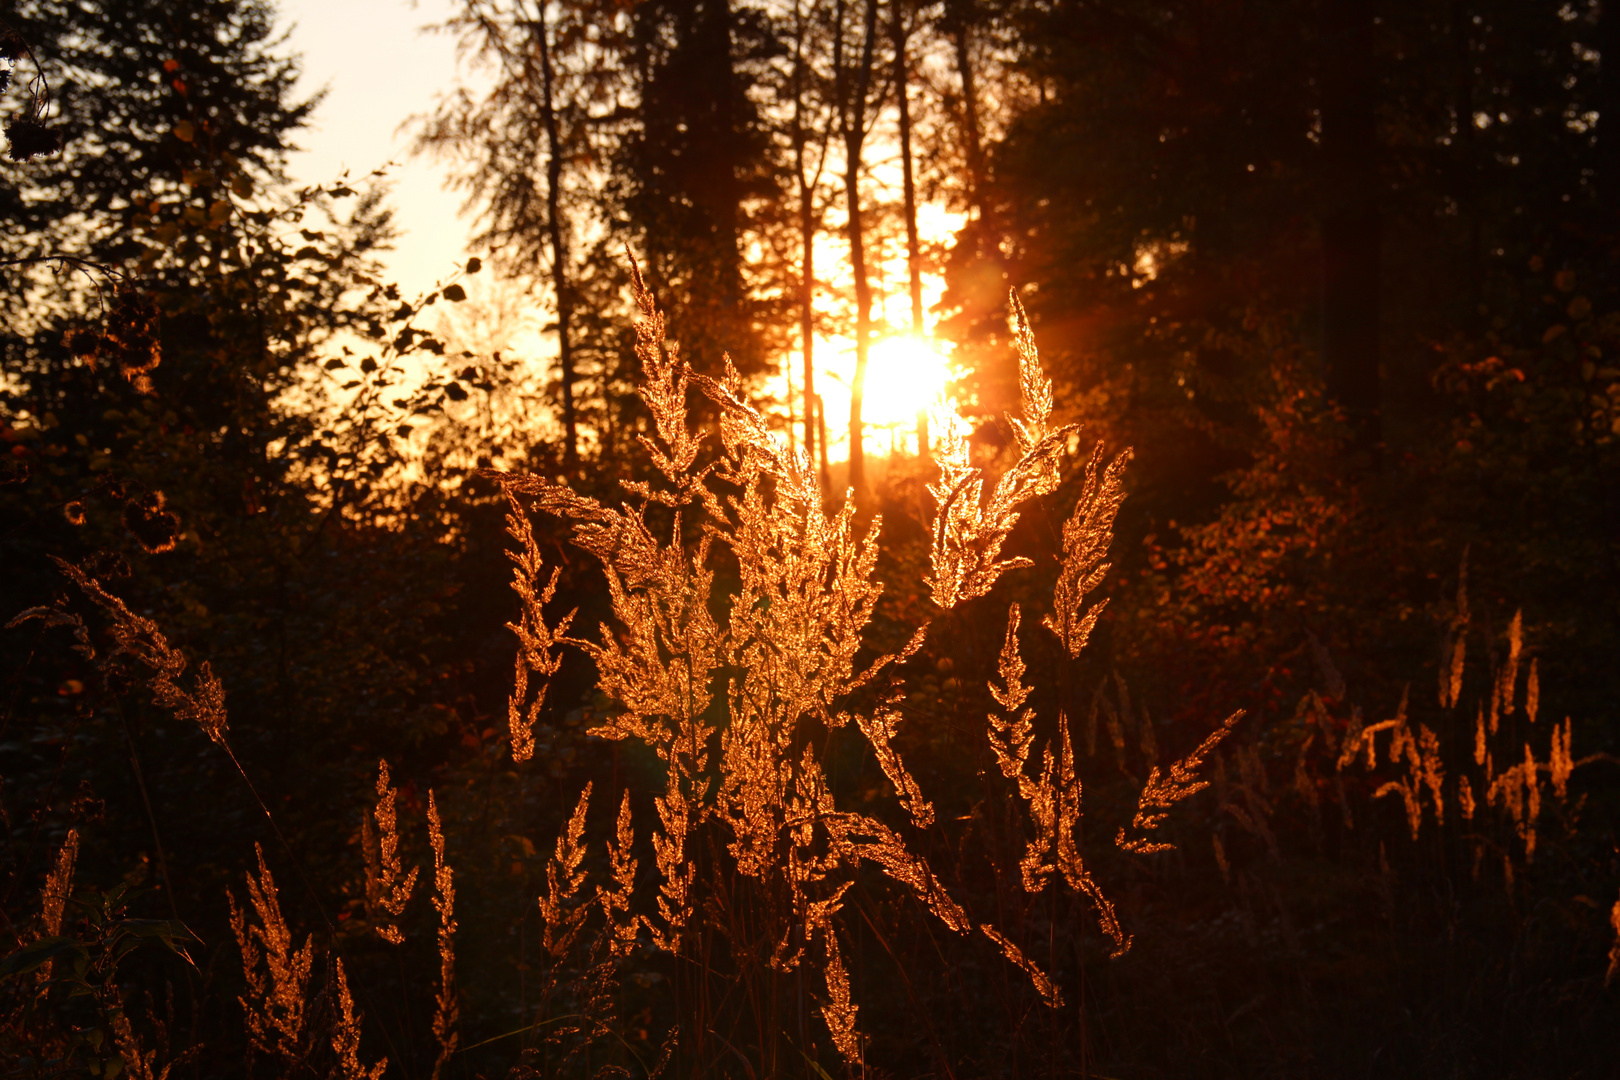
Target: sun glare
x=906 y=374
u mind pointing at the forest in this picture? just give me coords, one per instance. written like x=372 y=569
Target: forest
x=933 y=538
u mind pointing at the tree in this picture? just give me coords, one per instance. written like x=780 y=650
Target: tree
x=809 y=135
x=899 y=38
x=527 y=149
x=853 y=89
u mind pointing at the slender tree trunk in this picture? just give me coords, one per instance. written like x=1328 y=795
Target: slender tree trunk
x=1350 y=223
x=959 y=16
x=852 y=107
x=807 y=241
x=559 y=247
x=821 y=425
x=900 y=34
x=728 y=202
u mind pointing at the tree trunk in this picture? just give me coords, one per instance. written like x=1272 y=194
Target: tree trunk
x=821 y=424
x=1351 y=225
x=852 y=108
x=807 y=241
x=559 y=250
x=959 y=16
x=900 y=33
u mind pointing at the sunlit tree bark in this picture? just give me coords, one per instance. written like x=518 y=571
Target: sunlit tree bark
x=854 y=91
x=559 y=246
x=805 y=144
x=899 y=34
x=518 y=150
x=958 y=26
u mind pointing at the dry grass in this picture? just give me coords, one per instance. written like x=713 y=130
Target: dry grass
x=741 y=694
x=780 y=665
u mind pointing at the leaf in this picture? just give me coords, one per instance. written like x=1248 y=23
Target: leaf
x=35 y=955
x=184 y=131
x=454 y=293
x=130 y=934
x=474 y=265
x=368 y=365
x=455 y=392
x=334 y=364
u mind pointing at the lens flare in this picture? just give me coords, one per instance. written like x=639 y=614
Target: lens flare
x=906 y=373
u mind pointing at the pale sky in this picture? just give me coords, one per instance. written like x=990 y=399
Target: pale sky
x=378 y=70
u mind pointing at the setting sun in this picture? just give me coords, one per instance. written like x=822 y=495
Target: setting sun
x=907 y=373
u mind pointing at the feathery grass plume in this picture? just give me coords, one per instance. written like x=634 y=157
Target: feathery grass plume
x=1148 y=740
x=621 y=924
x=879 y=729
x=1126 y=717
x=1255 y=815
x=1053 y=801
x=537 y=642
x=1409 y=796
x=388 y=890
x=1494 y=707
x=967 y=531
x=1220 y=858
x=1304 y=782
x=138 y=1064
x=1043 y=985
x=1401 y=742
x=1421 y=754
x=1012 y=732
x=838 y=1011
x=346 y=1034
x=1465 y=798
x=783 y=655
x=1160 y=793
x=277 y=975
x=1350 y=748
x=1116 y=732
x=1451 y=666
x=1532 y=691
x=1087 y=536
x=1067 y=853
x=1508 y=682
x=1432 y=770
x=678 y=873
x=140 y=639
x=1614 y=950
x=54 y=898
x=1560 y=762
x=58 y=886
x=1518 y=790
x=446 y=1010
x=561 y=922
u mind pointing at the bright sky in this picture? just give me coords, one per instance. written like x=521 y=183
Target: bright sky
x=379 y=69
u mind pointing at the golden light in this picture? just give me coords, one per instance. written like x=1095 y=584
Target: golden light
x=905 y=374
